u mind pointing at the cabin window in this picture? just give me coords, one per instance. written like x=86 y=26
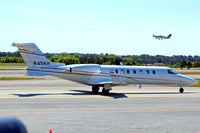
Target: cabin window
x=128 y=71
x=141 y=71
x=147 y=71
x=154 y=72
x=134 y=71
x=116 y=71
x=171 y=71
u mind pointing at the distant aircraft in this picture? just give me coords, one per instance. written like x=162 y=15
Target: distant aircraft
x=160 y=37
x=95 y=75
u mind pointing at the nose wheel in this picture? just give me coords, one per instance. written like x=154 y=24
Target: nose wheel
x=181 y=90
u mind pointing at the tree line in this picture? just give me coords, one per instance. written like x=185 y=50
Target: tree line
x=109 y=59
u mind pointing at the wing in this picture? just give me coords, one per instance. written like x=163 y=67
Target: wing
x=113 y=80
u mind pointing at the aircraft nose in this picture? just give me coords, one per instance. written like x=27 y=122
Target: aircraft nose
x=194 y=82
x=189 y=81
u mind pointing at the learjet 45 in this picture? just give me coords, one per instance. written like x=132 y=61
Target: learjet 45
x=100 y=76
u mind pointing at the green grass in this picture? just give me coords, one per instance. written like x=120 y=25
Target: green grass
x=12 y=64
x=197 y=85
x=12 y=69
x=190 y=73
x=15 y=78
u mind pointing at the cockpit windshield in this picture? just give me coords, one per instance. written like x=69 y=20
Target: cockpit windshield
x=172 y=71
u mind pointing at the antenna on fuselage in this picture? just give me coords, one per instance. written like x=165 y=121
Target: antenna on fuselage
x=121 y=63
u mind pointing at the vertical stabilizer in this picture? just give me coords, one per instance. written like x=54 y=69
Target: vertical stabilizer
x=33 y=56
x=169 y=35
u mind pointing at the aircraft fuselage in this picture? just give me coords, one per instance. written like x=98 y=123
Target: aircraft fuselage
x=94 y=74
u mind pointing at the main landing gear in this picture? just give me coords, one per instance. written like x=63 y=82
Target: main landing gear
x=181 y=90
x=95 y=89
x=105 y=90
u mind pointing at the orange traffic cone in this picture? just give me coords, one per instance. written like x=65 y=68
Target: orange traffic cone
x=50 y=131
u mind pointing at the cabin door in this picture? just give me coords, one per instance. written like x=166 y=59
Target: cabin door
x=123 y=75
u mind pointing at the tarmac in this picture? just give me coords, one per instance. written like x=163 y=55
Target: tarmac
x=68 y=107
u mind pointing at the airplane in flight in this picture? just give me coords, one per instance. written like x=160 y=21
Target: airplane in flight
x=160 y=37
x=95 y=75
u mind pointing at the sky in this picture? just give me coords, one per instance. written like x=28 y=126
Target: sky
x=121 y=27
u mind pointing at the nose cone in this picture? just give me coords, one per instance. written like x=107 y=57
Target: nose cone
x=194 y=82
x=188 y=81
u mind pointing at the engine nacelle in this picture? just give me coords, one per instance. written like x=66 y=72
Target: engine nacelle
x=84 y=68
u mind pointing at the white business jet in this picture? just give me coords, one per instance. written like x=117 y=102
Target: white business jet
x=95 y=75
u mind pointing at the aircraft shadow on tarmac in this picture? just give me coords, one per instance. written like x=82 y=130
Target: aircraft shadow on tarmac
x=84 y=92
x=81 y=92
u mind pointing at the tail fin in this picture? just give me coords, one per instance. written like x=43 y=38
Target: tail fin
x=33 y=56
x=169 y=35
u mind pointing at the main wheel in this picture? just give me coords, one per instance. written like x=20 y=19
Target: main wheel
x=95 y=89
x=105 y=92
x=181 y=90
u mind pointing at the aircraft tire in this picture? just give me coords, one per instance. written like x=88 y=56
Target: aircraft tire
x=105 y=92
x=181 y=90
x=95 y=89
